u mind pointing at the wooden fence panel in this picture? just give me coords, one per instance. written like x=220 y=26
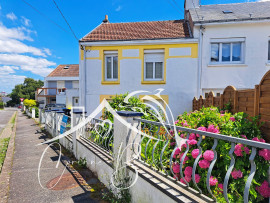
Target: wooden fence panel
x=254 y=102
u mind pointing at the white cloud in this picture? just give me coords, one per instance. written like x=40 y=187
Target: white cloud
x=20 y=33
x=6 y=70
x=119 y=8
x=11 y=16
x=26 y=21
x=47 y=51
x=39 y=66
x=15 y=46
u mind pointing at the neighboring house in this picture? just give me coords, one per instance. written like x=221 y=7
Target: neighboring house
x=234 y=43
x=61 y=86
x=117 y=58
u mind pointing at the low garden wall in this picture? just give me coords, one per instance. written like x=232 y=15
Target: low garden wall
x=254 y=102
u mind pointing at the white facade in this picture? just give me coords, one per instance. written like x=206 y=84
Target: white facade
x=180 y=86
x=254 y=36
x=67 y=90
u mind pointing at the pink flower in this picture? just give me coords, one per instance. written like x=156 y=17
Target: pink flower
x=237 y=174
x=177 y=151
x=208 y=155
x=243 y=136
x=186 y=158
x=212 y=129
x=232 y=119
x=220 y=186
x=182 y=181
x=204 y=164
x=176 y=167
x=246 y=149
x=171 y=132
x=213 y=181
x=264 y=189
x=177 y=121
x=262 y=140
x=182 y=135
x=184 y=124
x=195 y=153
x=221 y=115
x=238 y=150
x=256 y=139
x=201 y=129
x=197 y=178
x=192 y=142
x=222 y=112
x=176 y=176
x=192 y=136
x=188 y=178
x=188 y=171
x=265 y=153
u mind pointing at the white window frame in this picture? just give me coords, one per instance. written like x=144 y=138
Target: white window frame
x=110 y=54
x=268 y=49
x=158 y=51
x=230 y=41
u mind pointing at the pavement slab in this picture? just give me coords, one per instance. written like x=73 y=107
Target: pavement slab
x=24 y=182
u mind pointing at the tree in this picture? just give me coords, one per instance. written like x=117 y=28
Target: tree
x=25 y=90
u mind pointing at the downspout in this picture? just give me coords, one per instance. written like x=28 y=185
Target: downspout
x=199 y=89
x=84 y=76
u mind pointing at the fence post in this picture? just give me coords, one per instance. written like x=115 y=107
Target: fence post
x=221 y=101
x=33 y=113
x=235 y=102
x=125 y=136
x=256 y=100
x=75 y=118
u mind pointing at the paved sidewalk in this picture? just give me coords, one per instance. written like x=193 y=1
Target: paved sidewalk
x=24 y=184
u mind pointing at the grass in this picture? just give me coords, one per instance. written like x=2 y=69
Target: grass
x=3 y=150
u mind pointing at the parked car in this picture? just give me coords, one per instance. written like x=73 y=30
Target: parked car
x=19 y=107
x=59 y=107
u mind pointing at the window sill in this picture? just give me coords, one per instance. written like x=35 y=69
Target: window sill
x=267 y=63
x=110 y=82
x=153 y=82
x=227 y=65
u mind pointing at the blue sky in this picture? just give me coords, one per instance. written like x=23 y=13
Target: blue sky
x=32 y=46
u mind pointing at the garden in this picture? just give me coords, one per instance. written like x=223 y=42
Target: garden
x=213 y=120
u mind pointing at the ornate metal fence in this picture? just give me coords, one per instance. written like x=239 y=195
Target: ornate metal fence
x=157 y=154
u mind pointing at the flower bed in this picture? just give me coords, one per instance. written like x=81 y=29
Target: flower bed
x=237 y=125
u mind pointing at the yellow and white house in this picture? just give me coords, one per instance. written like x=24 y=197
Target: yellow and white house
x=116 y=58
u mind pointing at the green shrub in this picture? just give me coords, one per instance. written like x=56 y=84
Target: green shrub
x=29 y=103
x=1 y=105
x=237 y=125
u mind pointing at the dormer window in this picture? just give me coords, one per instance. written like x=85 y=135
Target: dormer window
x=66 y=67
x=227 y=12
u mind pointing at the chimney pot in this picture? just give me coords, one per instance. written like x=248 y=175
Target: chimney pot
x=106 y=20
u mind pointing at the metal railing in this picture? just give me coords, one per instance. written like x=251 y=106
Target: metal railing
x=99 y=132
x=160 y=154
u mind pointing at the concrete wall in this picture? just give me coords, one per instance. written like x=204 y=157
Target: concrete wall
x=256 y=64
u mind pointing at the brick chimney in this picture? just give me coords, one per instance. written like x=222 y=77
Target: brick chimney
x=106 y=20
x=191 y=4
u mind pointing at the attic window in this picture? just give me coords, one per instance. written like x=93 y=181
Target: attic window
x=227 y=12
x=66 y=67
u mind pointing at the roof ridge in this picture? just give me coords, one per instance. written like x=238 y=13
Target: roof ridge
x=234 y=3
x=143 y=21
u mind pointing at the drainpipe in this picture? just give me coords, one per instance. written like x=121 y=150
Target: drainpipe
x=199 y=89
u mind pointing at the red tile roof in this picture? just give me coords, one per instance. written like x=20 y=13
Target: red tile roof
x=170 y=29
x=63 y=71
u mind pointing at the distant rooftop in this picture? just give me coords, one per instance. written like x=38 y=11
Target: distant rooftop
x=231 y=12
x=171 y=29
x=65 y=70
